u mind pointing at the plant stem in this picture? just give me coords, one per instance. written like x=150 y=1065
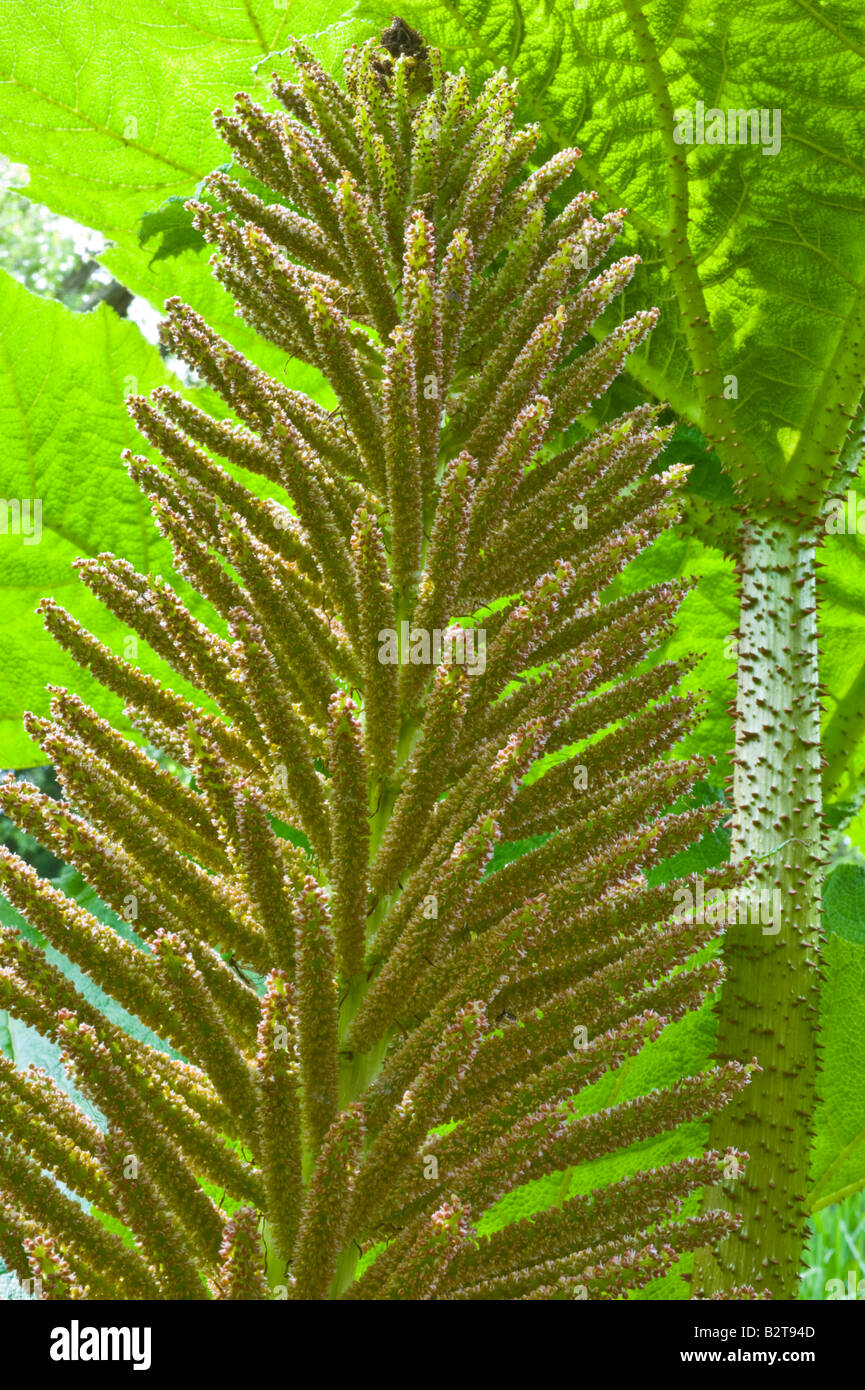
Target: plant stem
x=769 y=1002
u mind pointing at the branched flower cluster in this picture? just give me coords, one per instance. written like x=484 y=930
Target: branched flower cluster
x=373 y=1032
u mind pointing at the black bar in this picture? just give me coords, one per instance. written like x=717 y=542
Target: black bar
x=254 y=1340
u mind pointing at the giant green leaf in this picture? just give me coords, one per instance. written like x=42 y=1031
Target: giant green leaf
x=109 y=106
x=842 y=664
x=63 y=377
x=838 y=1166
x=111 y=111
